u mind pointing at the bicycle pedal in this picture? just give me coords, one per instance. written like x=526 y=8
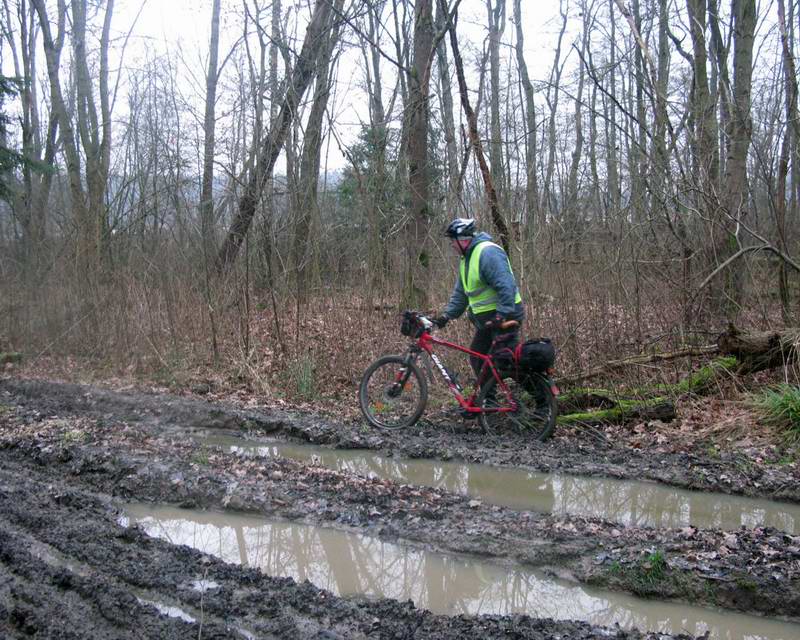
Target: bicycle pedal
x=468 y=415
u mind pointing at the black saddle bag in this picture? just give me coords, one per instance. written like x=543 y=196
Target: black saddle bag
x=519 y=360
x=535 y=356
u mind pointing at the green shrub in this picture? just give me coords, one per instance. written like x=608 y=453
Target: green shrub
x=781 y=406
x=304 y=377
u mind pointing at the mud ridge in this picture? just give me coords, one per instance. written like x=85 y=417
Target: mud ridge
x=447 y=439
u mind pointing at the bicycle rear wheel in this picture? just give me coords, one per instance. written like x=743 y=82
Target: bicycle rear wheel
x=536 y=411
x=393 y=393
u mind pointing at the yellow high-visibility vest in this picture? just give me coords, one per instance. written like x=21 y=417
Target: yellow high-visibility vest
x=481 y=297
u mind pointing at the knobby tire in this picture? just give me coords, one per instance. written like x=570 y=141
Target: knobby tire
x=527 y=420
x=383 y=404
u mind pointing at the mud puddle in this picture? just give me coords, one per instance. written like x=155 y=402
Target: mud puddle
x=354 y=564
x=624 y=501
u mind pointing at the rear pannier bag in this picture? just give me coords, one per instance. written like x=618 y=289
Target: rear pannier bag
x=535 y=355
x=532 y=356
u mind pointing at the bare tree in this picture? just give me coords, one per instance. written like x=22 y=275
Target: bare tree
x=301 y=76
x=552 y=98
x=791 y=141
x=209 y=125
x=93 y=129
x=305 y=200
x=736 y=195
x=417 y=253
x=475 y=141
x=496 y=10
x=531 y=181
x=446 y=97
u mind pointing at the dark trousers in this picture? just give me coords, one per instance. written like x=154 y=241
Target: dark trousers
x=484 y=337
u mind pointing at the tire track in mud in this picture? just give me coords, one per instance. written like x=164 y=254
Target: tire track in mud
x=759 y=571
x=49 y=599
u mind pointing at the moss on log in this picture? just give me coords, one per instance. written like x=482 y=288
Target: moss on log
x=625 y=411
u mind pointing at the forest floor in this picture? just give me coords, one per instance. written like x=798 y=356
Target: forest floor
x=70 y=455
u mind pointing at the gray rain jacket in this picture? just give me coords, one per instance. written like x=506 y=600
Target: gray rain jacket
x=496 y=273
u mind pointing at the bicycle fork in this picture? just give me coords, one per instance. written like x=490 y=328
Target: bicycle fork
x=403 y=375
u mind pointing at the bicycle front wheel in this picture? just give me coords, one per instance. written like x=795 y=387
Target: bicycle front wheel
x=393 y=393
x=536 y=407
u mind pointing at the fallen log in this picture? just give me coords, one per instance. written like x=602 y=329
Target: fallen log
x=759 y=350
x=658 y=409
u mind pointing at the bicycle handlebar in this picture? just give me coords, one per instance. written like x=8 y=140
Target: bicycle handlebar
x=428 y=324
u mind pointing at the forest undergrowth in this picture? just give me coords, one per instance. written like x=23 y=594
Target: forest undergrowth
x=263 y=347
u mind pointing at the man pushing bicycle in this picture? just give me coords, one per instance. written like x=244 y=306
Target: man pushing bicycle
x=486 y=285
x=513 y=385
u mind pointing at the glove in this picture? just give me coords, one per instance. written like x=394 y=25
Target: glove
x=440 y=321
x=495 y=322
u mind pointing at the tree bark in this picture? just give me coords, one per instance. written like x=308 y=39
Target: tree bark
x=94 y=130
x=52 y=50
x=791 y=141
x=552 y=97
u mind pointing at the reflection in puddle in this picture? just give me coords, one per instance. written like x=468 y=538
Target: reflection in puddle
x=625 y=501
x=346 y=563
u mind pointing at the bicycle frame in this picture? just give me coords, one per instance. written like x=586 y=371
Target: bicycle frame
x=426 y=343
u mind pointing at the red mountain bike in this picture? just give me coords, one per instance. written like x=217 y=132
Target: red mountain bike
x=393 y=392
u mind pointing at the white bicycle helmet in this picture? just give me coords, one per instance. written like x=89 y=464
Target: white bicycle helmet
x=461 y=228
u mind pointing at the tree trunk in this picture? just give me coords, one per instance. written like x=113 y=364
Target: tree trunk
x=415 y=293
x=52 y=50
x=447 y=116
x=207 y=188
x=94 y=130
x=552 y=96
x=532 y=209
x=374 y=194
x=571 y=215
x=735 y=198
x=783 y=210
x=612 y=167
x=496 y=21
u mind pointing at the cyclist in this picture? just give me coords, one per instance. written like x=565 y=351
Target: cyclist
x=486 y=285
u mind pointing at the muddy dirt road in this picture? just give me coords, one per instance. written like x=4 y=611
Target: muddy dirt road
x=71 y=456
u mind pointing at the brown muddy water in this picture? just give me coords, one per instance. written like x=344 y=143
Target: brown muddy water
x=625 y=501
x=354 y=564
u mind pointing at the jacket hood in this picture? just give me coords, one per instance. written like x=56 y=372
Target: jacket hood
x=479 y=237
